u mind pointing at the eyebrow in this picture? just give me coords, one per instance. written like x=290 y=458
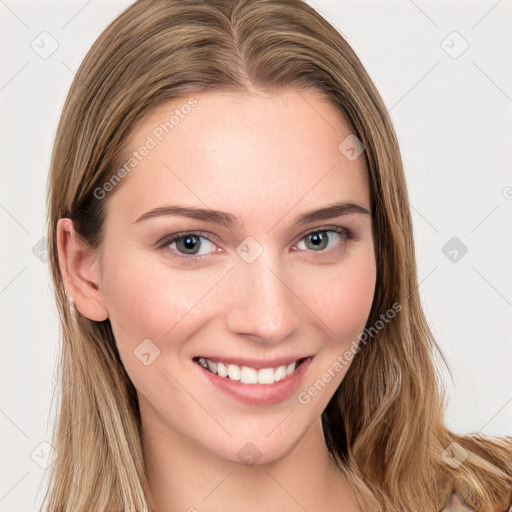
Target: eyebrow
x=230 y=221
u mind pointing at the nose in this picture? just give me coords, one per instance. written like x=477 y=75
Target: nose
x=263 y=305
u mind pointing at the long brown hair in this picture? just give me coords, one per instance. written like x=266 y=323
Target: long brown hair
x=384 y=425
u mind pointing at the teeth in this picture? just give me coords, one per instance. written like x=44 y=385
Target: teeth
x=212 y=366
x=290 y=369
x=266 y=376
x=222 y=371
x=248 y=375
x=280 y=373
x=234 y=372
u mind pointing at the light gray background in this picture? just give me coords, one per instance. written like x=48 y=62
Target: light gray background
x=452 y=114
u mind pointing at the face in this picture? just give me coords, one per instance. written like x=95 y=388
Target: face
x=266 y=291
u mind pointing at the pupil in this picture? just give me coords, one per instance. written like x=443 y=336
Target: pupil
x=318 y=238
x=189 y=242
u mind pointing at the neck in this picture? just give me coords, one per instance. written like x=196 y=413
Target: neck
x=184 y=476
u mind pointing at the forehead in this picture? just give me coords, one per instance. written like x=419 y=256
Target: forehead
x=263 y=153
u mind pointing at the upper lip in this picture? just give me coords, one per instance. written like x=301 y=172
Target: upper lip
x=256 y=363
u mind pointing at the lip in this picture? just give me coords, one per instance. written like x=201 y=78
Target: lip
x=258 y=394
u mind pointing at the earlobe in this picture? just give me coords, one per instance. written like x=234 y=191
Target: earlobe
x=79 y=267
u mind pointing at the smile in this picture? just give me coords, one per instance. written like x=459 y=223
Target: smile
x=247 y=374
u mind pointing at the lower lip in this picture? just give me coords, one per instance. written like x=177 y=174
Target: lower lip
x=258 y=394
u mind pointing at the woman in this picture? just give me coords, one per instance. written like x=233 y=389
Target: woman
x=232 y=253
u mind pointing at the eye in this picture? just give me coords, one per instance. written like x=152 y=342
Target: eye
x=189 y=247
x=319 y=239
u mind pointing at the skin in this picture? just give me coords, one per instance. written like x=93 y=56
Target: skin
x=265 y=158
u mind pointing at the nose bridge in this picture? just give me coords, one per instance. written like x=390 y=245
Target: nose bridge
x=262 y=303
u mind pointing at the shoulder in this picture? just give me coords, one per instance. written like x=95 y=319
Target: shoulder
x=456 y=503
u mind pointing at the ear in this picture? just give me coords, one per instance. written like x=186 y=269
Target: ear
x=81 y=273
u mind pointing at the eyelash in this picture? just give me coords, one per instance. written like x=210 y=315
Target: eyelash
x=169 y=239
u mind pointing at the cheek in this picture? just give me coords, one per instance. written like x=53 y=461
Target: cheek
x=344 y=295
x=142 y=290
x=343 y=307
x=145 y=298
x=150 y=308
